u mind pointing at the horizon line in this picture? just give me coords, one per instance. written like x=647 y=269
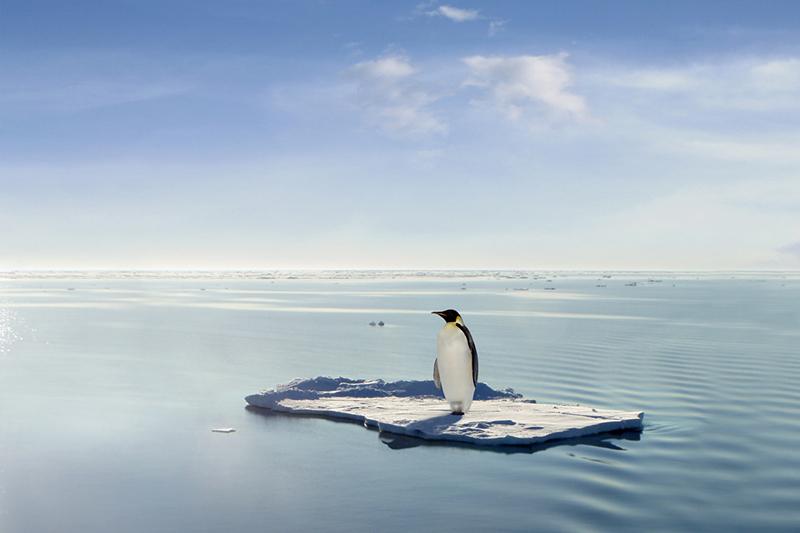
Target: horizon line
x=380 y=269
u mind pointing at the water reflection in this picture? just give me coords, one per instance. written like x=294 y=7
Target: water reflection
x=601 y=440
x=8 y=332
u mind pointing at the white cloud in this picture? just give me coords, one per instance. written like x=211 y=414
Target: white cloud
x=456 y=14
x=393 y=102
x=521 y=82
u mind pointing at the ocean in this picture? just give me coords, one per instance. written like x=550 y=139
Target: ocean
x=110 y=385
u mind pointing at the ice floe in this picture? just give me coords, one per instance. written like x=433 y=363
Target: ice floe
x=417 y=409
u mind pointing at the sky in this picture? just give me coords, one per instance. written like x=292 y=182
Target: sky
x=445 y=135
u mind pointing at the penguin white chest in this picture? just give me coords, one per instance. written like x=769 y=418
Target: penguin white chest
x=454 y=360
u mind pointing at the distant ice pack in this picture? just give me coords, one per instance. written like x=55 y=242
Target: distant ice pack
x=418 y=409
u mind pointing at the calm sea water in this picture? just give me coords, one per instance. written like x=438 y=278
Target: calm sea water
x=109 y=389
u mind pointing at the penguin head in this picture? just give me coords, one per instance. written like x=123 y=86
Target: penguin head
x=449 y=315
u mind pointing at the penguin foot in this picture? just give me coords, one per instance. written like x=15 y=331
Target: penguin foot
x=458 y=413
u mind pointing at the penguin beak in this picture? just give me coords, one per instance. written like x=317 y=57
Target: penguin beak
x=440 y=313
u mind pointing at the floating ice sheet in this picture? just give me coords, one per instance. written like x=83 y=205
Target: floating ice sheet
x=416 y=408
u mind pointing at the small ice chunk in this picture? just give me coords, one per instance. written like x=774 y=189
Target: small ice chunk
x=223 y=430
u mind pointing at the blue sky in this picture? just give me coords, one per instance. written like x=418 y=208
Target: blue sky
x=568 y=135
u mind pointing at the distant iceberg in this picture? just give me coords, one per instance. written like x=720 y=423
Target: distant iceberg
x=417 y=409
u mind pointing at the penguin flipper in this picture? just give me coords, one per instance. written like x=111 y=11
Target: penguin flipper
x=436 y=380
x=473 y=351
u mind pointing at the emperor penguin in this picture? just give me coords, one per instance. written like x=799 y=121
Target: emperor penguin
x=455 y=370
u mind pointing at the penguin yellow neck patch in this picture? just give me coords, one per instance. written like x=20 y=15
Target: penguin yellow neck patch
x=455 y=323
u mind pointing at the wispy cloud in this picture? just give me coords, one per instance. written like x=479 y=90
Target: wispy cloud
x=791 y=249
x=518 y=84
x=656 y=79
x=740 y=149
x=384 y=69
x=354 y=49
x=777 y=74
x=738 y=83
x=740 y=108
x=707 y=224
x=392 y=100
x=496 y=26
x=456 y=14
x=88 y=94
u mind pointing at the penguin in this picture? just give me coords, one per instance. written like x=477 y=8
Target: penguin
x=455 y=369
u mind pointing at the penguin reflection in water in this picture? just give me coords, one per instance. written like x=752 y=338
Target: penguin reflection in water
x=455 y=370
